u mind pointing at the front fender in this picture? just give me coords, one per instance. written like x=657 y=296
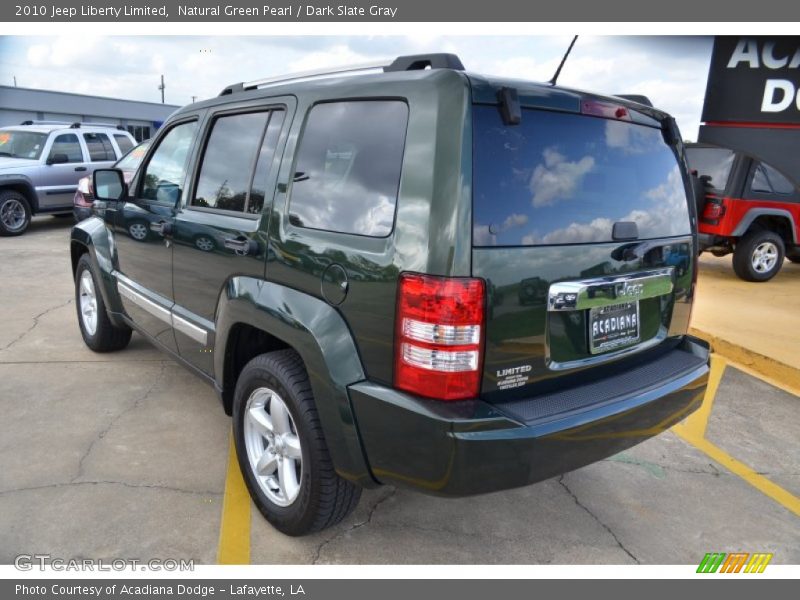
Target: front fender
x=92 y=236
x=21 y=181
x=321 y=337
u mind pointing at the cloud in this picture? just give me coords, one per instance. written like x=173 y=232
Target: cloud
x=557 y=178
x=663 y=212
x=514 y=220
x=631 y=139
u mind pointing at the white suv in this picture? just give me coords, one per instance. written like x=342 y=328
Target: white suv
x=41 y=163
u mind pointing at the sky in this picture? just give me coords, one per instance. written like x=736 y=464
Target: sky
x=671 y=70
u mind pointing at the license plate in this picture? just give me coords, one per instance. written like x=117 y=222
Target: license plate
x=613 y=326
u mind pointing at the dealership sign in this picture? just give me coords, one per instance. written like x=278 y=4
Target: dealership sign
x=754 y=80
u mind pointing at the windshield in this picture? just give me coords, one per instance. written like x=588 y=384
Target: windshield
x=564 y=178
x=130 y=162
x=21 y=144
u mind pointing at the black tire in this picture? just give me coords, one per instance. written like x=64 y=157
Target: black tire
x=107 y=337
x=324 y=498
x=11 y=200
x=743 y=256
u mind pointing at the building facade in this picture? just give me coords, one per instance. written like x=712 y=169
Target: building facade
x=142 y=119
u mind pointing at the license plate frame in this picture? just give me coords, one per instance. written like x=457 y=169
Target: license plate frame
x=614 y=326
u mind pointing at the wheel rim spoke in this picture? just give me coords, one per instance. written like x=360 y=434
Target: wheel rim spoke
x=280 y=417
x=267 y=464
x=261 y=421
x=287 y=479
x=291 y=445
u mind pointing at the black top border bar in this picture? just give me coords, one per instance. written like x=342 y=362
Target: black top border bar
x=495 y=11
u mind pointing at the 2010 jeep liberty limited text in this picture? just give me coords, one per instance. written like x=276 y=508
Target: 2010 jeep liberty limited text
x=417 y=277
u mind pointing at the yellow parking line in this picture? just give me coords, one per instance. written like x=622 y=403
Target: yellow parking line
x=693 y=431
x=695 y=425
x=761 y=483
x=234 y=530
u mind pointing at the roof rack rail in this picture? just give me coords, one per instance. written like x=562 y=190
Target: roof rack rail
x=79 y=124
x=40 y=122
x=415 y=62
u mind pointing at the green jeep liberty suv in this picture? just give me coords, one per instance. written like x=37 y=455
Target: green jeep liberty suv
x=417 y=277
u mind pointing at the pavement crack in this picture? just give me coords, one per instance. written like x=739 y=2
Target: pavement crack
x=34 y=324
x=113 y=421
x=344 y=531
x=126 y=484
x=563 y=484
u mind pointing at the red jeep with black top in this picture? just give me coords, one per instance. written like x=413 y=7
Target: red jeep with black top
x=749 y=208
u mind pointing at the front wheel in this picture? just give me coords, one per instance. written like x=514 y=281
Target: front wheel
x=15 y=213
x=281 y=447
x=759 y=256
x=98 y=332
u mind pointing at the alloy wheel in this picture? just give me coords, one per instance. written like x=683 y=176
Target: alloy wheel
x=12 y=214
x=273 y=446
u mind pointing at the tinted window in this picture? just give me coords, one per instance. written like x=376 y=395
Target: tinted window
x=67 y=143
x=124 y=142
x=769 y=181
x=224 y=180
x=99 y=147
x=715 y=163
x=163 y=178
x=348 y=167
x=265 y=162
x=560 y=178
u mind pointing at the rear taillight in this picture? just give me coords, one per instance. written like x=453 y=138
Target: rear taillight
x=713 y=210
x=439 y=336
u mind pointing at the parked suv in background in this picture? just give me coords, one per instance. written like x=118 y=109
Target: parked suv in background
x=42 y=161
x=749 y=209
x=84 y=196
x=366 y=316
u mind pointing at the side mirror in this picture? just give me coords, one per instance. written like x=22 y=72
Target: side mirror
x=109 y=185
x=59 y=158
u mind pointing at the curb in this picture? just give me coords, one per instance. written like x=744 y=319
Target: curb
x=771 y=370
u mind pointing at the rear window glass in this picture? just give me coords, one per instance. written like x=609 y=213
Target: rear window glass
x=715 y=163
x=124 y=142
x=99 y=147
x=561 y=178
x=348 y=167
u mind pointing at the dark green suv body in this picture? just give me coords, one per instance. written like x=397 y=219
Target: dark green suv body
x=417 y=277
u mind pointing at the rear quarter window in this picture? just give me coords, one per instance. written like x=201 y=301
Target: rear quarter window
x=348 y=167
x=563 y=178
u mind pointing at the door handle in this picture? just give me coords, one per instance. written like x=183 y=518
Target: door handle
x=162 y=227
x=80 y=168
x=241 y=245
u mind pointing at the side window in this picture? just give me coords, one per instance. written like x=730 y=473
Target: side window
x=227 y=166
x=162 y=180
x=67 y=144
x=99 y=147
x=767 y=180
x=264 y=163
x=348 y=167
x=123 y=142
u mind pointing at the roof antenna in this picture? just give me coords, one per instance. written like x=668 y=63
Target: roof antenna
x=563 y=60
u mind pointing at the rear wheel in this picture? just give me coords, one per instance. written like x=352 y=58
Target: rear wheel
x=15 y=213
x=98 y=332
x=759 y=255
x=281 y=447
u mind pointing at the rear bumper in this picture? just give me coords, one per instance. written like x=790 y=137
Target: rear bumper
x=472 y=447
